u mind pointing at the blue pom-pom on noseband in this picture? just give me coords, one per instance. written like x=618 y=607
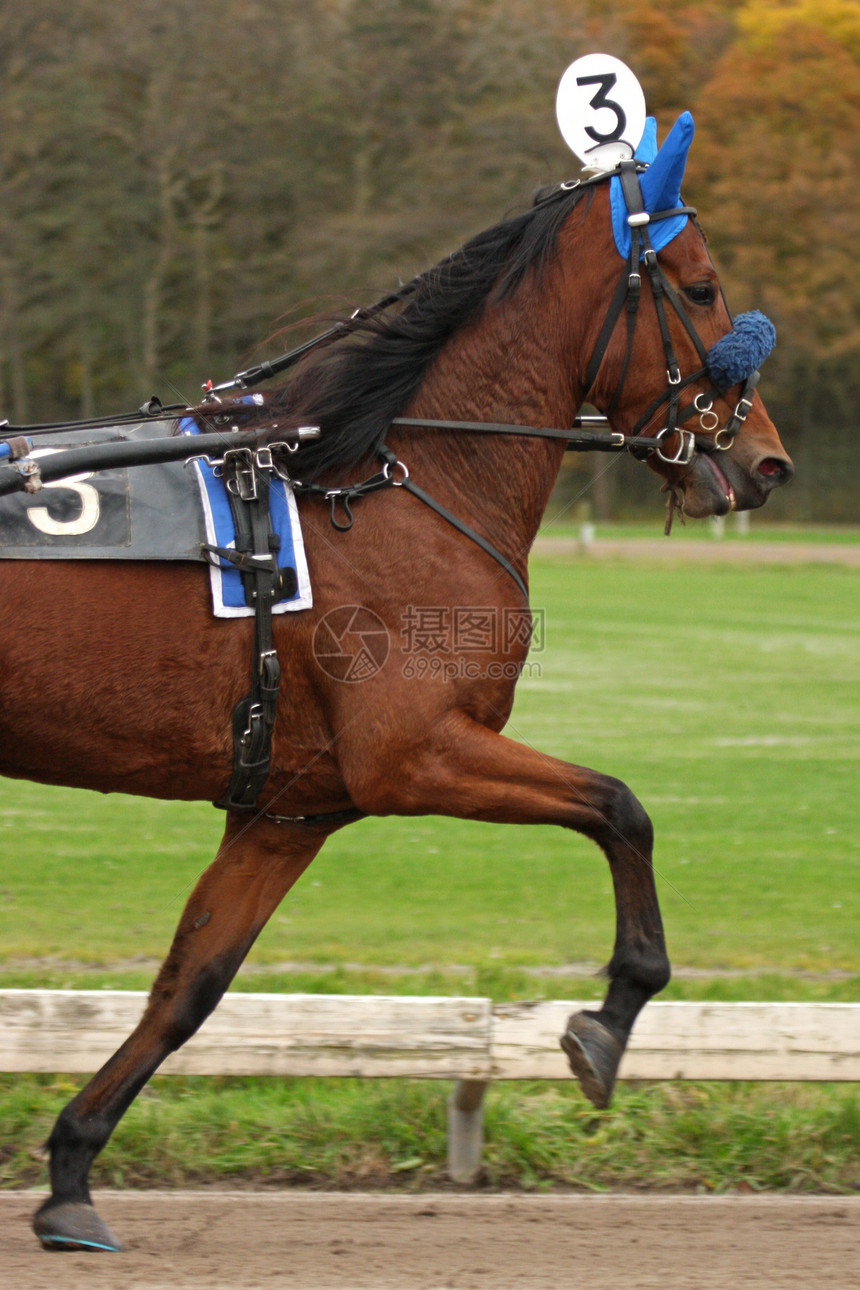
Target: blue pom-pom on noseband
x=740 y=353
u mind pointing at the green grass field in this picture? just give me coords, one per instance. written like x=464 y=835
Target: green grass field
x=727 y=697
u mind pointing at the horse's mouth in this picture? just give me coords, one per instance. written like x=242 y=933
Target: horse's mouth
x=724 y=485
x=710 y=488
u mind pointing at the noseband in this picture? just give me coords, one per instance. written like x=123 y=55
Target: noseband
x=758 y=330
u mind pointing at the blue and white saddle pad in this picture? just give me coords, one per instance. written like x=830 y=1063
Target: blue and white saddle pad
x=228 y=594
x=163 y=512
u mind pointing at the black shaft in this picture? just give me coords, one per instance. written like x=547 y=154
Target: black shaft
x=105 y=456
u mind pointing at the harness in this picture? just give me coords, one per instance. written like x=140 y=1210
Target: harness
x=248 y=470
x=583 y=438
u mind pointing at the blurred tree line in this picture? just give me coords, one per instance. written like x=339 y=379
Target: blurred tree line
x=179 y=182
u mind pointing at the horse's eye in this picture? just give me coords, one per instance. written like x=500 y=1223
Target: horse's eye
x=703 y=293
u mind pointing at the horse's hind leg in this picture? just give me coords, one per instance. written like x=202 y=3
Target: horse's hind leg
x=256 y=865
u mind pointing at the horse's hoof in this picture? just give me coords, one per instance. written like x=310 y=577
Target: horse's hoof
x=594 y=1055
x=73 y=1225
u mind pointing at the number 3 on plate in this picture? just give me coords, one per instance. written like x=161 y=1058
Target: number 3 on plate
x=600 y=100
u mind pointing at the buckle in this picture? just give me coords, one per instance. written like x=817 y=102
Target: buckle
x=238 y=466
x=686 y=447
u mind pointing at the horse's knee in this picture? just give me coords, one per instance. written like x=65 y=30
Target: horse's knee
x=622 y=819
x=177 y=1009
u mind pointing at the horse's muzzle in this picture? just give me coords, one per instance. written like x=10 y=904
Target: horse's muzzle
x=716 y=483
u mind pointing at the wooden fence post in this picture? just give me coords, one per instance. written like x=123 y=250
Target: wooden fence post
x=466 y=1129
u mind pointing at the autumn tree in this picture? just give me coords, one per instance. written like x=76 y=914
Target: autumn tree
x=776 y=164
x=177 y=181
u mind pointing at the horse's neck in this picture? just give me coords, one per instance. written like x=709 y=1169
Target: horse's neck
x=513 y=366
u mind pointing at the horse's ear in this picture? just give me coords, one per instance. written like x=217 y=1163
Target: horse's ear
x=661 y=182
x=647 y=149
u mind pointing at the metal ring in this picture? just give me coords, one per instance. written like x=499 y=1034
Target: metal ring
x=708 y=420
x=723 y=446
x=396 y=483
x=697 y=405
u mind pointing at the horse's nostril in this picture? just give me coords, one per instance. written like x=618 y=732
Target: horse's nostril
x=770 y=466
x=775 y=470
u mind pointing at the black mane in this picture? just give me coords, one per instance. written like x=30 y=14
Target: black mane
x=355 y=389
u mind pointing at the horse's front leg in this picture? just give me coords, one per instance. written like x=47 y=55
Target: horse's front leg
x=256 y=865
x=470 y=772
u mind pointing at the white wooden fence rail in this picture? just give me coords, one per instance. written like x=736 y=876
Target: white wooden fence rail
x=468 y=1040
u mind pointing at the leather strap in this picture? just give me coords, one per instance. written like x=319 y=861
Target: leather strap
x=256 y=550
x=388 y=456
x=469 y=532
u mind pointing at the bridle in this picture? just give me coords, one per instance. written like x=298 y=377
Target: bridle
x=626 y=297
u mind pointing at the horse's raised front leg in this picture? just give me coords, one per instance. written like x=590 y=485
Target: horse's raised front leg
x=470 y=772
x=256 y=865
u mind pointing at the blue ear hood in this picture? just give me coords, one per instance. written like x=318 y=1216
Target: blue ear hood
x=660 y=184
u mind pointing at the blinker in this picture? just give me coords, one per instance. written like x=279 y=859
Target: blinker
x=742 y=351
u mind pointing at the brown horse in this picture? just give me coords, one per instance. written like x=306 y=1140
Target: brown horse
x=117 y=677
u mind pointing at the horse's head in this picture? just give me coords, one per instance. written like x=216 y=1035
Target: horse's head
x=668 y=362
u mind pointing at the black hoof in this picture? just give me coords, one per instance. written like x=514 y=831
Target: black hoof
x=73 y=1225
x=594 y=1055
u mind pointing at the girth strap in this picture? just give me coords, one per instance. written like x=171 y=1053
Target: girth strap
x=256 y=558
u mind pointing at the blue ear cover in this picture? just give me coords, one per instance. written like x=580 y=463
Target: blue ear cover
x=647 y=149
x=742 y=352
x=660 y=184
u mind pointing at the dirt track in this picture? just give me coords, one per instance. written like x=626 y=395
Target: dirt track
x=336 y=1241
